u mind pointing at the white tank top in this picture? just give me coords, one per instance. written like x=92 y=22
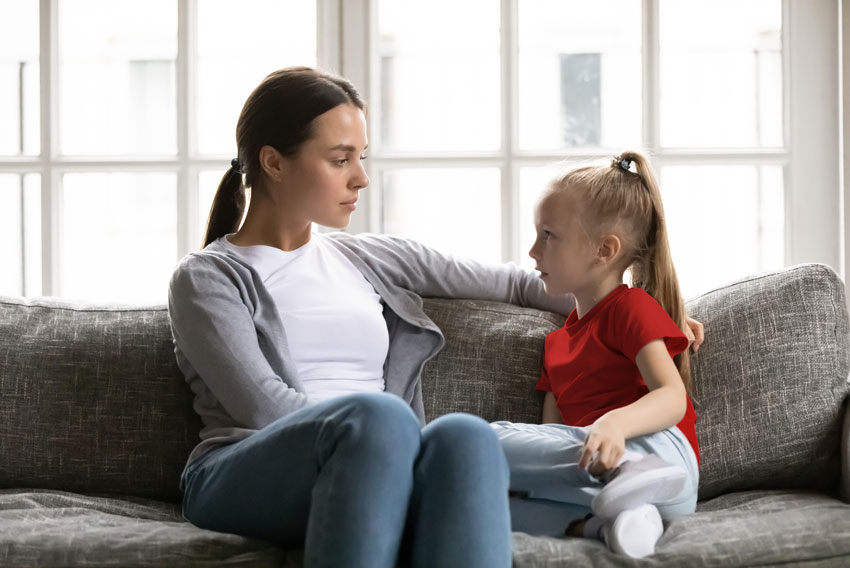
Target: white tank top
x=332 y=316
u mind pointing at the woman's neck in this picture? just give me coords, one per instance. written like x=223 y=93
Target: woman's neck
x=265 y=225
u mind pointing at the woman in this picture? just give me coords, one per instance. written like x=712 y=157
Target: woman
x=305 y=352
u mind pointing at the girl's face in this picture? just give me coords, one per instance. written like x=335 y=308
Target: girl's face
x=322 y=182
x=561 y=251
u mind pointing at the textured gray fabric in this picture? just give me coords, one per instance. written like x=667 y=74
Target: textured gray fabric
x=845 y=452
x=93 y=403
x=770 y=380
x=50 y=528
x=491 y=361
x=759 y=528
x=91 y=399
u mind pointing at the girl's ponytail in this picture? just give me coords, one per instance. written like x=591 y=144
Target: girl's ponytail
x=652 y=268
x=228 y=205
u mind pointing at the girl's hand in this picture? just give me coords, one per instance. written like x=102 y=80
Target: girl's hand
x=603 y=447
x=695 y=333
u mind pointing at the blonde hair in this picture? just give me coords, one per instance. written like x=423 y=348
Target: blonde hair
x=613 y=199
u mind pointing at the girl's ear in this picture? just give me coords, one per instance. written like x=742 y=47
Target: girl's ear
x=608 y=249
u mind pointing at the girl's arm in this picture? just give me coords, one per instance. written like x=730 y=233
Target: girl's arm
x=551 y=414
x=662 y=407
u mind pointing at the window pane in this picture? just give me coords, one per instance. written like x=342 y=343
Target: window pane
x=20 y=231
x=120 y=236
x=579 y=73
x=439 y=75
x=457 y=211
x=721 y=76
x=117 y=73
x=19 y=79
x=746 y=200
x=281 y=33
x=532 y=182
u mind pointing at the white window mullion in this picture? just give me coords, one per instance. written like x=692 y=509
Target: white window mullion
x=188 y=230
x=510 y=90
x=358 y=48
x=651 y=53
x=51 y=218
x=813 y=229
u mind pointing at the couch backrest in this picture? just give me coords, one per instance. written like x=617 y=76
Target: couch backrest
x=92 y=401
x=770 y=380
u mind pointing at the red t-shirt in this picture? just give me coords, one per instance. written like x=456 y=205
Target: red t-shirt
x=589 y=364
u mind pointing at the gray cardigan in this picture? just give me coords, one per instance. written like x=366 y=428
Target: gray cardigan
x=231 y=346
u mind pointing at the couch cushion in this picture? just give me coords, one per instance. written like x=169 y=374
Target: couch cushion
x=91 y=399
x=764 y=528
x=770 y=379
x=52 y=528
x=491 y=361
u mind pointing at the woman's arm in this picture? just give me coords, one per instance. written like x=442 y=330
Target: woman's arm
x=551 y=414
x=662 y=407
x=215 y=332
x=428 y=272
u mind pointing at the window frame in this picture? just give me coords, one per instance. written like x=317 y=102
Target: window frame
x=810 y=157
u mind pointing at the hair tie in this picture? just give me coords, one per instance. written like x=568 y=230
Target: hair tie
x=234 y=163
x=625 y=164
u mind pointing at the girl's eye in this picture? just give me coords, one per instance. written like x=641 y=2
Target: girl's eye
x=341 y=162
x=546 y=234
x=363 y=157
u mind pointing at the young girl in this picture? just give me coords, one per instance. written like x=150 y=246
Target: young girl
x=617 y=451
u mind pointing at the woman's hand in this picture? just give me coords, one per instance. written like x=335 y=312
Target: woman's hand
x=603 y=447
x=695 y=333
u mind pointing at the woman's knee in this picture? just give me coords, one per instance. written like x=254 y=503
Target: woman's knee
x=379 y=422
x=464 y=435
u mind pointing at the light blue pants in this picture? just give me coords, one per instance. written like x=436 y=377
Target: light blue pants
x=357 y=483
x=543 y=460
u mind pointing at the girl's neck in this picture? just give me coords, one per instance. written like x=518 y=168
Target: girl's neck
x=594 y=292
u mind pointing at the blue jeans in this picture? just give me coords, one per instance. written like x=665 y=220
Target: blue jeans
x=357 y=483
x=543 y=459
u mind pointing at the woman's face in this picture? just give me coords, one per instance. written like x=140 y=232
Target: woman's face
x=322 y=182
x=561 y=251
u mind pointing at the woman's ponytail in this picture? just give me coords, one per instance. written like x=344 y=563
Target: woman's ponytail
x=228 y=206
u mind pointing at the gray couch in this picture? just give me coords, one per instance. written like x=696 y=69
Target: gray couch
x=96 y=422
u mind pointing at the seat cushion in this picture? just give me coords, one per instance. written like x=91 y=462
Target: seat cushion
x=54 y=528
x=759 y=528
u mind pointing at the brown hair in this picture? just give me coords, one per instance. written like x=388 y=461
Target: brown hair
x=615 y=199
x=279 y=113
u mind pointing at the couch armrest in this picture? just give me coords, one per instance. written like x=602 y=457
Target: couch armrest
x=845 y=451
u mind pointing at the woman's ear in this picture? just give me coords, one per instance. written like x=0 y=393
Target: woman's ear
x=271 y=162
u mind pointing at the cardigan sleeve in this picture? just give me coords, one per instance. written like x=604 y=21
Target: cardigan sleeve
x=428 y=272
x=214 y=330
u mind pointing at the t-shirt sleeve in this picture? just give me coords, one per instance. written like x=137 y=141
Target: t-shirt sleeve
x=543 y=382
x=640 y=319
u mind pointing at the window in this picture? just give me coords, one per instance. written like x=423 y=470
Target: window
x=117 y=121
x=469 y=137
x=140 y=109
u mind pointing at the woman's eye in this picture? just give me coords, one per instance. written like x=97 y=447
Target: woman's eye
x=363 y=157
x=341 y=162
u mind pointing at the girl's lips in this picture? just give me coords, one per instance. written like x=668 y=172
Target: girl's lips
x=352 y=205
